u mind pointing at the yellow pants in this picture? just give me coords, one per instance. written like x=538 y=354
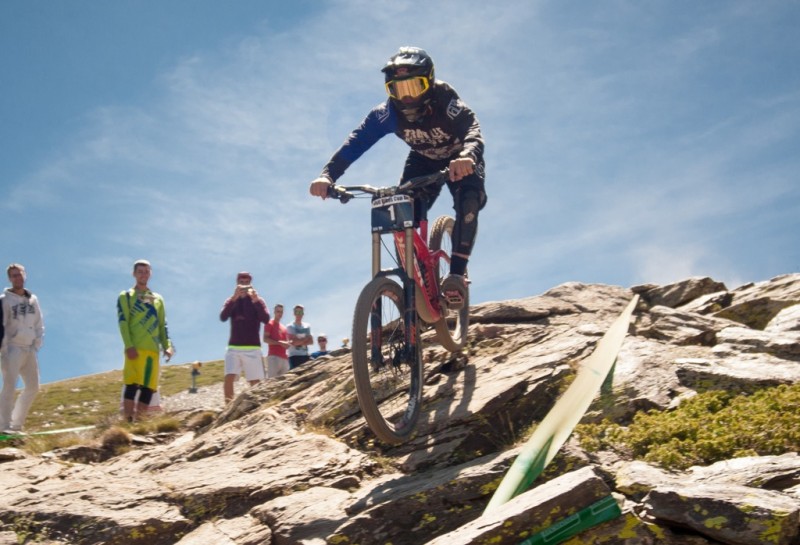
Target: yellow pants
x=143 y=370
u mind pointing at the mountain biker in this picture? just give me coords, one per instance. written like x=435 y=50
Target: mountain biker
x=442 y=131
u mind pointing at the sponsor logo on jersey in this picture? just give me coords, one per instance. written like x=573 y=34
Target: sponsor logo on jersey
x=454 y=108
x=383 y=113
x=433 y=137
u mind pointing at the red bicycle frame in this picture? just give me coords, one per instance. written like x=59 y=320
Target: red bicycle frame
x=424 y=262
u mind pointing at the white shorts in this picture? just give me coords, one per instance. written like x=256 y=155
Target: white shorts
x=276 y=366
x=247 y=361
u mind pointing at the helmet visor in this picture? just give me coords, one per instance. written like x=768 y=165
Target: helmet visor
x=408 y=87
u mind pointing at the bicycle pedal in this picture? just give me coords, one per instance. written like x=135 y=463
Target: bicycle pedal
x=454 y=291
x=454 y=299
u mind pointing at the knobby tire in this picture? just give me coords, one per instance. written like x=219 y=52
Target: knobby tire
x=388 y=376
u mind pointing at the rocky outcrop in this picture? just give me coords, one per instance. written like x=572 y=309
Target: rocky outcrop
x=291 y=461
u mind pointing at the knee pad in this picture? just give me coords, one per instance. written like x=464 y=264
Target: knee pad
x=467 y=206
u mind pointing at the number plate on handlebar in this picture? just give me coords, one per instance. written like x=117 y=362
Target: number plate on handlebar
x=393 y=213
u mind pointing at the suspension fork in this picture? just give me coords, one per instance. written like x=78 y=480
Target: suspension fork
x=409 y=296
x=376 y=254
x=376 y=315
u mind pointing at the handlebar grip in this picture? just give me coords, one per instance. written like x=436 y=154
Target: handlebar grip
x=339 y=194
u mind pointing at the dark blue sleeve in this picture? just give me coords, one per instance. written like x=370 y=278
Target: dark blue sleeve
x=382 y=120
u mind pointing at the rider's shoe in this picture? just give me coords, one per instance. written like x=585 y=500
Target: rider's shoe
x=454 y=290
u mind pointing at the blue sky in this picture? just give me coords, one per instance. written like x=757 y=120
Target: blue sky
x=626 y=142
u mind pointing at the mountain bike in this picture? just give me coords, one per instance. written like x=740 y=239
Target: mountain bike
x=394 y=305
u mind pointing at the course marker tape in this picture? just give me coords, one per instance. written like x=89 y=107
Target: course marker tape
x=6 y=436
x=556 y=427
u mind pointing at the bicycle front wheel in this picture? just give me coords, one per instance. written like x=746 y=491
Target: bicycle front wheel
x=452 y=327
x=387 y=370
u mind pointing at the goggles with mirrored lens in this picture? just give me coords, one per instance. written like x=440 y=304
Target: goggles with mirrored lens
x=409 y=87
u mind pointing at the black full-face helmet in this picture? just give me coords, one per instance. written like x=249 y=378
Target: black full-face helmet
x=409 y=78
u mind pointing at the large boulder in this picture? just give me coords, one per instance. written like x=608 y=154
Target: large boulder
x=729 y=513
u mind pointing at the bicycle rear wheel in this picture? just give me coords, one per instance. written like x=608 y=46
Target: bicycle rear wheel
x=388 y=372
x=453 y=326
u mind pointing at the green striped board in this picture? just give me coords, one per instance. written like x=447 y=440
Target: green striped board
x=600 y=511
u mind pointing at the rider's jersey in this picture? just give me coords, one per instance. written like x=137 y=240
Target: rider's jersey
x=448 y=130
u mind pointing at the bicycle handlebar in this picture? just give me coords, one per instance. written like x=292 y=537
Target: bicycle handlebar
x=343 y=193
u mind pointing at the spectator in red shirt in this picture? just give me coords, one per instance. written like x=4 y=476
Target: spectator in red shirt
x=276 y=336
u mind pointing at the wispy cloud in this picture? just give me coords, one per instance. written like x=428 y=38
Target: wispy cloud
x=622 y=146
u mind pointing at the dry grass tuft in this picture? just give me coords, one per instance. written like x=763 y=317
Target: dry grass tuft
x=201 y=420
x=116 y=438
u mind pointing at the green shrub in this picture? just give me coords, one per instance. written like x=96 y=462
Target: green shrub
x=707 y=428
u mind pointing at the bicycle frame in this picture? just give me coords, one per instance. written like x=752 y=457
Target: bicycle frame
x=423 y=262
x=387 y=349
x=393 y=214
x=415 y=255
x=421 y=283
